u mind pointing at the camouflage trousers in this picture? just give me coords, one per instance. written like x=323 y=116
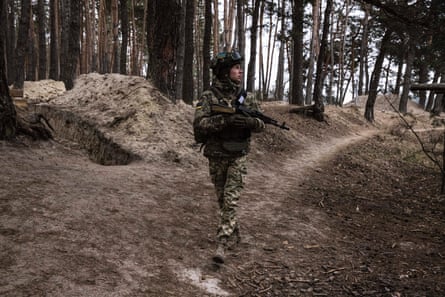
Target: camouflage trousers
x=227 y=176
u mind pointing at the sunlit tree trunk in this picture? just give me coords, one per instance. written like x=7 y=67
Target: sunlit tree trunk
x=229 y=8
x=314 y=49
x=363 y=49
x=124 y=31
x=279 y=83
x=429 y=104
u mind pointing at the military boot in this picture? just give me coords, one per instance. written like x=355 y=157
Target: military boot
x=220 y=251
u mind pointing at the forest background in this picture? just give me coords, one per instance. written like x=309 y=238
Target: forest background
x=314 y=51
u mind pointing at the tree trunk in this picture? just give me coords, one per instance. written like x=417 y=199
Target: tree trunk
x=407 y=79
x=41 y=21
x=363 y=49
x=8 y=123
x=375 y=77
x=124 y=29
x=54 y=40
x=253 y=42
x=22 y=44
x=296 y=96
x=206 y=43
x=69 y=72
x=180 y=52
x=216 y=37
x=162 y=47
x=423 y=78
x=314 y=49
x=429 y=104
x=279 y=83
x=115 y=31
x=321 y=65
x=399 y=70
x=188 y=86
x=438 y=101
x=8 y=19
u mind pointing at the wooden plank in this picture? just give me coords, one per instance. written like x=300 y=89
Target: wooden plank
x=438 y=88
x=16 y=92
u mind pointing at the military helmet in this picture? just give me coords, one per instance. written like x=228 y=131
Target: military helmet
x=225 y=60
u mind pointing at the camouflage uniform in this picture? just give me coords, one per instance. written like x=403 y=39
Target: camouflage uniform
x=226 y=148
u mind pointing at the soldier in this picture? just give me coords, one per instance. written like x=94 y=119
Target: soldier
x=226 y=141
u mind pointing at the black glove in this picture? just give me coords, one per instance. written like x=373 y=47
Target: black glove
x=241 y=121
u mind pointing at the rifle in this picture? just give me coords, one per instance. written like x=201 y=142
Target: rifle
x=242 y=109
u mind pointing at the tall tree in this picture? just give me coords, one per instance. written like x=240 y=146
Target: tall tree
x=206 y=43
x=375 y=77
x=54 y=40
x=41 y=22
x=189 y=53
x=69 y=69
x=314 y=48
x=296 y=96
x=321 y=65
x=162 y=47
x=279 y=83
x=8 y=124
x=11 y=38
x=250 y=85
x=124 y=31
x=22 y=44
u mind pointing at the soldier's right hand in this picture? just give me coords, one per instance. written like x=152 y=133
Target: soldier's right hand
x=237 y=120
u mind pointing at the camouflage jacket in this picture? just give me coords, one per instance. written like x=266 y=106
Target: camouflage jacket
x=220 y=139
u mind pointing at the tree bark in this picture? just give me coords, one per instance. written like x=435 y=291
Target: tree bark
x=54 y=40
x=124 y=30
x=314 y=48
x=189 y=52
x=8 y=123
x=375 y=77
x=162 y=47
x=206 y=43
x=407 y=79
x=41 y=21
x=253 y=42
x=22 y=44
x=321 y=65
x=363 y=49
x=296 y=96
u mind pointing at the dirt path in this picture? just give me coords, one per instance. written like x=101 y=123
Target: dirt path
x=70 y=227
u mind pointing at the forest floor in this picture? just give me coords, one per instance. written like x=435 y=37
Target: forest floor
x=335 y=208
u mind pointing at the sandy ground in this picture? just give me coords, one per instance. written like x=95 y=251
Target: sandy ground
x=341 y=208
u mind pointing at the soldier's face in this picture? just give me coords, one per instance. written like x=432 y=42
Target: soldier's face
x=236 y=73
